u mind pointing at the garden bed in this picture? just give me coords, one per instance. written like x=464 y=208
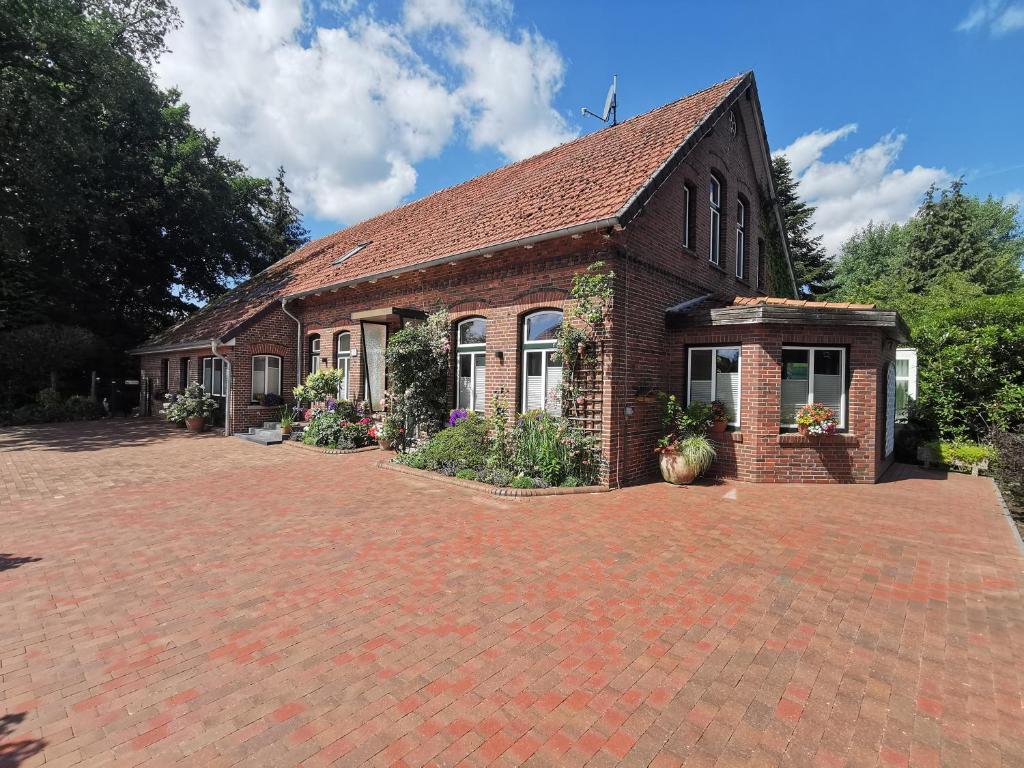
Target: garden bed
x=330 y=451
x=493 y=490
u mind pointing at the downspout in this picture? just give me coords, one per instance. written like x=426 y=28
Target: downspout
x=298 y=341
x=227 y=386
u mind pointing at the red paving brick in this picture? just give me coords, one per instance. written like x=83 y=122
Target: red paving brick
x=170 y=598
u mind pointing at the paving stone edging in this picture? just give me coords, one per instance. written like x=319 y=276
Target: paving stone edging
x=493 y=490
x=329 y=451
x=1007 y=514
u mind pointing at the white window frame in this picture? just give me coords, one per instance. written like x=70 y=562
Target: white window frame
x=342 y=363
x=741 y=239
x=214 y=364
x=910 y=355
x=810 y=379
x=686 y=215
x=266 y=370
x=543 y=346
x=471 y=351
x=314 y=353
x=714 y=374
x=715 y=234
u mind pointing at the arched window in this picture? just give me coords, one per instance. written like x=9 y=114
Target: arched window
x=344 y=347
x=715 y=202
x=266 y=376
x=314 y=353
x=471 y=357
x=542 y=364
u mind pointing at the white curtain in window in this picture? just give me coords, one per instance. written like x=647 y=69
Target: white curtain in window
x=479 y=382
x=259 y=375
x=343 y=384
x=374 y=341
x=273 y=376
x=794 y=395
x=534 y=380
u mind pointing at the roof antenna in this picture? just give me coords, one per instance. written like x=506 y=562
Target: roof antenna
x=610 y=105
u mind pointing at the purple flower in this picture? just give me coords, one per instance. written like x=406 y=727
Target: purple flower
x=332 y=404
x=456 y=416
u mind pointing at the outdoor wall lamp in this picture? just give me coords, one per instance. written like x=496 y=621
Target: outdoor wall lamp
x=500 y=354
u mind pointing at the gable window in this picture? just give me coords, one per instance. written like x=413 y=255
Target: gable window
x=741 y=240
x=471 y=358
x=344 y=356
x=266 y=376
x=542 y=364
x=813 y=375
x=687 y=217
x=713 y=373
x=314 y=353
x=214 y=377
x=715 y=202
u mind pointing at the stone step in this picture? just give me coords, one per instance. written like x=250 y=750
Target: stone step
x=261 y=436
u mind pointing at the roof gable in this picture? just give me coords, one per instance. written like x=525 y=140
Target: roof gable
x=598 y=178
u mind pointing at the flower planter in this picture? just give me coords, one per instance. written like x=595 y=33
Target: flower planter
x=675 y=469
x=719 y=426
x=384 y=443
x=195 y=423
x=803 y=430
x=179 y=424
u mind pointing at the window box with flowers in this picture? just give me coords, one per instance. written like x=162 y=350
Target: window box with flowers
x=816 y=419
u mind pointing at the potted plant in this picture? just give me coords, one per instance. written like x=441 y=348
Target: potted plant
x=816 y=419
x=684 y=452
x=389 y=432
x=286 y=419
x=195 y=406
x=719 y=417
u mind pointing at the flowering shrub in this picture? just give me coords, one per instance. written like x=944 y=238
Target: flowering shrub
x=417 y=364
x=330 y=429
x=456 y=416
x=718 y=411
x=681 y=422
x=320 y=386
x=190 y=403
x=818 y=418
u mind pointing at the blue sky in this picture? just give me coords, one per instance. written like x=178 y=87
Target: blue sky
x=369 y=106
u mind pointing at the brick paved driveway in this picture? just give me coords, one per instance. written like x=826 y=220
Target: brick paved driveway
x=170 y=598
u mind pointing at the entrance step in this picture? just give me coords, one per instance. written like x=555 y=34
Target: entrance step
x=261 y=436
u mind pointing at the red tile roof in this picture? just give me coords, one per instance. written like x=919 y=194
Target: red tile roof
x=742 y=301
x=589 y=180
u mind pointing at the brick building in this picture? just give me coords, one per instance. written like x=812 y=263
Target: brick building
x=678 y=202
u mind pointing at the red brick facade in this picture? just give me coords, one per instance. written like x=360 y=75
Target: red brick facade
x=655 y=270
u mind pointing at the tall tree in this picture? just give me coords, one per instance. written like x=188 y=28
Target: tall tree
x=285 y=230
x=812 y=267
x=876 y=253
x=953 y=233
x=116 y=213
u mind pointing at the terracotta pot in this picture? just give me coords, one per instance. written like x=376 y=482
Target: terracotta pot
x=719 y=426
x=195 y=423
x=384 y=443
x=802 y=429
x=286 y=430
x=675 y=469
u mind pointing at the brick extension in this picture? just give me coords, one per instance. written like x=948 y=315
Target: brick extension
x=167 y=598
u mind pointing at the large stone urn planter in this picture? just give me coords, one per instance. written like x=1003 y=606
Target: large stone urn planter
x=195 y=423
x=675 y=469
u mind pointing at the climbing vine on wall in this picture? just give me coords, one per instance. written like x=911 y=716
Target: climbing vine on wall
x=779 y=283
x=581 y=336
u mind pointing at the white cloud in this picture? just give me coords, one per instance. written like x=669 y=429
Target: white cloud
x=861 y=187
x=350 y=108
x=998 y=16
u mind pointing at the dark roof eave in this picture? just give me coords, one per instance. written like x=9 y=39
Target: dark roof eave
x=888 y=321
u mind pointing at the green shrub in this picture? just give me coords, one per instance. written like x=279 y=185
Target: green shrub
x=522 y=482
x=463 y=446
x=466 y=474
x=571 y=482
x=960 y=454
x=82 y=408
x=329 y=429
x=551 y=449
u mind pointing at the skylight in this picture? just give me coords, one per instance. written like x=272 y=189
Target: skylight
x=346 y=256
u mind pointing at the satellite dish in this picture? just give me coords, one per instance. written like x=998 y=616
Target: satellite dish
x=610 y=104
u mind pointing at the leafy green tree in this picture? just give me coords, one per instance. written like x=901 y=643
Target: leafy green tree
x=813 y=269
x=955 y=233
x=875 y=254
x=116 y=213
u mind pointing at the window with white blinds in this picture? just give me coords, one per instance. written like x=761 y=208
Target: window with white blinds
x=471 y=342
x=214 y=377
x=813 y=375
x=344 y=354
x=713 y=373
x=542 y=365
x=266 y=376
